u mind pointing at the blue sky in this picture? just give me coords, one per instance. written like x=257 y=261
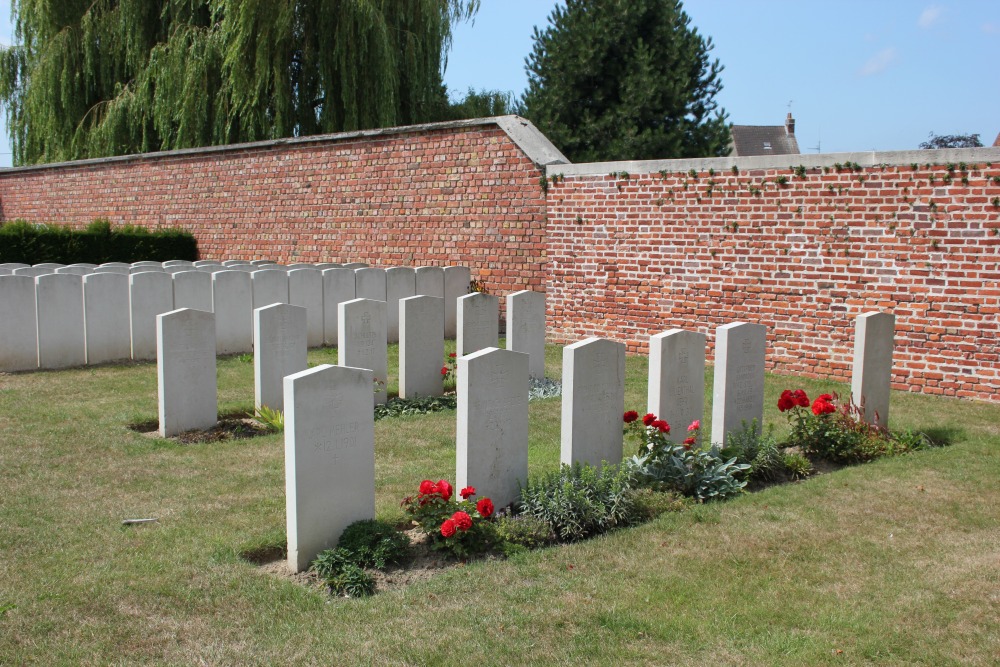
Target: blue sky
x=859 y=74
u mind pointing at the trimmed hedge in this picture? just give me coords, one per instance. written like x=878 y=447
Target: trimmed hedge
x=30 y=243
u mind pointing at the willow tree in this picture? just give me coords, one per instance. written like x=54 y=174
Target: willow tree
x=91 y=78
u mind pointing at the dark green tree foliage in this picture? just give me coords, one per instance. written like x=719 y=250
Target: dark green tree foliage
x=623 y=80
x=952 y=141
x=90 y=78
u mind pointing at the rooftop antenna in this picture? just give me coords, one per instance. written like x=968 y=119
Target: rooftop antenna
x=819 y=142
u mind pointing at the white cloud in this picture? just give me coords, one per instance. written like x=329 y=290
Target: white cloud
x=930 y=16
x=879 y=62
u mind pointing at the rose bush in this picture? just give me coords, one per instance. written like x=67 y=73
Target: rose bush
x=460 y=527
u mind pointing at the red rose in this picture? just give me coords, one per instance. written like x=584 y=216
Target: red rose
x=448 y=528
x=689 y=440
x=444 y=370
x=427 y=487
x=786 y=402
x=649 y=419
x=444 y=488
x=631 y=416
x=462 y=520
x=694 y=426
x=453 y=355
x=800 y=398
x=485 y=507
x=467 y=491
x=825 y=397
x=662 y=425
x=822 y=407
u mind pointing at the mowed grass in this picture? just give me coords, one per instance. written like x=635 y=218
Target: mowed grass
x=896 y=562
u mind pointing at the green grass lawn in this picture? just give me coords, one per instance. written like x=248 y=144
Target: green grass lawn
x=895 y=562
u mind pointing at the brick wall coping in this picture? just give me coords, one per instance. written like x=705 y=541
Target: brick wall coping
x=522 y=132
x=808 y=160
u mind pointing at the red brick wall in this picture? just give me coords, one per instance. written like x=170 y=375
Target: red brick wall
x=630 y=255
x=457 y=195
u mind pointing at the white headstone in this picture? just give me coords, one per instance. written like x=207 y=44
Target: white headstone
x=33 y=271
x=18 y=326
x=492 y=428
x=147 y=268
x=121 y=270
x=259 y=262
x=478 y=323
x=74 y=270
x=14 y=265
x=185 y=371
x=593 y=402
x=338 y=287
x=8 y=272
x=456 y=284
x=738 y=387
x=269 y=286
x=151 y=293
x=106 y=317
x=362 y=339
x=369 y=283
x=355 y=265
x=323 y=266
x=421 y=346
x=207 y=262
x=429 y=281
x=147 y=264
x=400 y=283
x=59 y=304
x=193 y=289
x=49 y=265
x=676 y=392
x=301 y=265
x=305 y=288
x=228 y=262
x=871 y=376
x=279 y=350
x=526 y=328
x=178 y=262
x=329 y=458
x=232 y=303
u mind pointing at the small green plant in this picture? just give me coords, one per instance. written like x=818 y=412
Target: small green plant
x=759 y=449
x=344 y=577
x=478 y=285
x=651 y=503
x=692 y=173
x=544 y=184
x=272 y=420
x=372 y=543
x=996 y=202
x=581 y=500
x=735 y=170
x=800 y=171
x=420 y=405
x=245 y=358
x=797 y=466
x=781 y=180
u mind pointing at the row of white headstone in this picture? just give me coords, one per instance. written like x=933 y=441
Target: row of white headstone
x=329 y=433
x=55 y=317
x=186 y=343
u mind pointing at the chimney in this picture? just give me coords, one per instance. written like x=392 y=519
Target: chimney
x=790 y=125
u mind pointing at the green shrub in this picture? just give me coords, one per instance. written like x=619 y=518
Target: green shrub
x=344 y=577
x=272 y=420
x=797 y=466
x=372 y=543
x=98 y=243
x=579 y=501
x=420 y=405
x=759 y=450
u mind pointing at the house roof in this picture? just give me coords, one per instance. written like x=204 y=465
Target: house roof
x=763 y=140
x=997 y=142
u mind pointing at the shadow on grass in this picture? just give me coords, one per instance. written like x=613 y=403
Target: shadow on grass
x=943 y=436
